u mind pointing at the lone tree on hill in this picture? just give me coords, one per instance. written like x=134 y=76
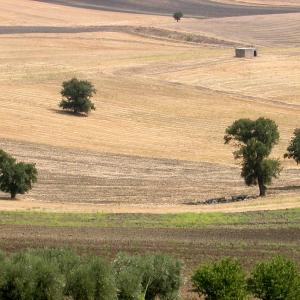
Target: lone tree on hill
x=255 y=140
x=178 y=15
x=16 y=178
x=77 y=96
x=293 y=150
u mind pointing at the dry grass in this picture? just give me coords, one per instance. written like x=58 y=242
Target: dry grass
x=156 y=99
x=278 y=30
x=157 y=119
x=85 y=181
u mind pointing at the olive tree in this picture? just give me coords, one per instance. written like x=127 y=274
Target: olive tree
x=16 y=177
x=77 y=96
x=254 y=141
x=293 y=150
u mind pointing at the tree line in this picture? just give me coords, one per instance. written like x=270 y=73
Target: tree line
x=57 y=274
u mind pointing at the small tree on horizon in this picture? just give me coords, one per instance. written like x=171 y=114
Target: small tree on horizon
x=16 y=178
x=255 y=141
x=178 y=15
x=293 y=150
x=77 y=96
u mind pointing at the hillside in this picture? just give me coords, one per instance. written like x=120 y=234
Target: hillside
x=163 y=104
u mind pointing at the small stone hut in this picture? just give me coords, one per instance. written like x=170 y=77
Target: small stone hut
x=247 y=52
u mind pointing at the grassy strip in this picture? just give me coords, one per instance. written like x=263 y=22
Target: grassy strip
x=273 y=219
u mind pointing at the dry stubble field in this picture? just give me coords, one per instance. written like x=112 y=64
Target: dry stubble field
x=155 y=141
x=165 y=101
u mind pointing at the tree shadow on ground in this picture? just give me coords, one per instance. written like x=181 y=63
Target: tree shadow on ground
x=68 y=113
x=7 y=198
x=285 y=188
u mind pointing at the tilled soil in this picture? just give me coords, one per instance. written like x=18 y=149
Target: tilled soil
x=193 y=246
x=201 y=8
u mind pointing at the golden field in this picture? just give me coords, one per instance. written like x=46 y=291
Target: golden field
x=158 y=98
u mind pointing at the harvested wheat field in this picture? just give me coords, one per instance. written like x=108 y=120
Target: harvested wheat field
x=163 y=104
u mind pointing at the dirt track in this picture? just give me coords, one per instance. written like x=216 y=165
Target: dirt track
x=200 y=8
x=136 y=30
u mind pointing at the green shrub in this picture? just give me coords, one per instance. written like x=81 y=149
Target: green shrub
x=18 y=283
x=80 y=285
x=165 y=280
x=2 y=256
x=93 y=279
x=48 y=281
x=103 y=279
x=276 y=279
x=65 y=259
x=129 y=277
x=28 y=276
x=147 y=277
x=222 y=280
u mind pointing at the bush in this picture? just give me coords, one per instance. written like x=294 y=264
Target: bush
x=56 y=274
x=129 y=277
x=92 y=280
x=65 y=259
x=27 y=276
x=148 y=277
x=276 y=279
x=103 y=278
x=48 y=281
x=80 y=284
x=165 y=281
x=222 y=280
x=17 y=280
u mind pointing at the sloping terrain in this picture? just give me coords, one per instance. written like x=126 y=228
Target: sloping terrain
x=199 y=8
x=272 y=31
x=163 y=103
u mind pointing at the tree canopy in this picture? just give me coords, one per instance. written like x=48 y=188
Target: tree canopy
x=254 y=141
x=77 y=96
x=293 y=150
x=178 y=15
x=16 y=177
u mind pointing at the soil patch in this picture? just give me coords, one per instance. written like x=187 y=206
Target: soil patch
x=200 y=8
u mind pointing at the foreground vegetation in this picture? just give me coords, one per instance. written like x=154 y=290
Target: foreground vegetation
x=269 y=219
x=56 y=274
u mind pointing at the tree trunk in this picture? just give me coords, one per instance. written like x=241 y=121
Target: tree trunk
x=13 y=195
x=262 y=187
